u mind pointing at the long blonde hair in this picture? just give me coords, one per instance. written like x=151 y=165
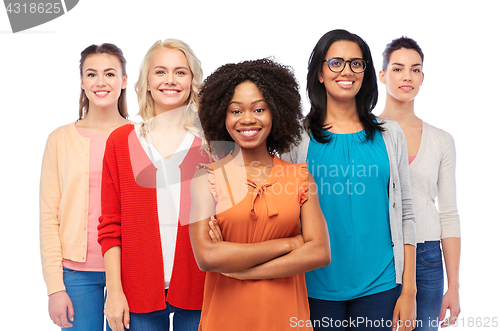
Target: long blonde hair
x=146 y=102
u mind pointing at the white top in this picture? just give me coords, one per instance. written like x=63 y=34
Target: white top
x=168 y=192
x=432 y=174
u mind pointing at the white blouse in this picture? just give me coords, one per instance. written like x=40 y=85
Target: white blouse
x=168 y=192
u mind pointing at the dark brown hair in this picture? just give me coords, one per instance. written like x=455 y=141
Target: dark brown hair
x=396 y=44
x=113 y=50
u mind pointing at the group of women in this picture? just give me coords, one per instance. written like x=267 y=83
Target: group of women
x=230 y=210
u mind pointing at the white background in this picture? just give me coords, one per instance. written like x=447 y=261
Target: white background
x=39 y=89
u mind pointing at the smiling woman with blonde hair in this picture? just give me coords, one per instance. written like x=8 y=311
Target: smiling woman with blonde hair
x=146 y=101
x=150 y=268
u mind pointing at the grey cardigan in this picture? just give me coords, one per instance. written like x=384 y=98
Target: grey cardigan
x=432 y=175
x=401 y=216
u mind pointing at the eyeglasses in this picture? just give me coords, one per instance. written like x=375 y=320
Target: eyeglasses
x=337 y=64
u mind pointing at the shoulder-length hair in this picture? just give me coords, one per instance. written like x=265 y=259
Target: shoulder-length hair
x=146 y=102
x=112 y=50
x=366 y=99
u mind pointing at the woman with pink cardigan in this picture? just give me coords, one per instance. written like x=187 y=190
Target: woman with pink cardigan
x=70 y=193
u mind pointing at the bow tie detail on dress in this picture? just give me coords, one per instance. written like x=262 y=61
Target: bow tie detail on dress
x=265 y=193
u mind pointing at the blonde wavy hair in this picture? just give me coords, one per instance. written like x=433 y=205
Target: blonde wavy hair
x=146 y=102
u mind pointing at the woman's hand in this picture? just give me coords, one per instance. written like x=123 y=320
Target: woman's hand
x=451 y=301
x=236 y=275
x=59 y=305
x=215 y=231
x=117 y=311
x=405 y=313
x=216 y=236
x=297 y=241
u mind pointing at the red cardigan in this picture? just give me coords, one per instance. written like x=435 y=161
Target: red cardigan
x=130 y=219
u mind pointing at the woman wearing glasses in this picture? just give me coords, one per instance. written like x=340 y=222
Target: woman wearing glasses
x=432 y=170
x=359 y=163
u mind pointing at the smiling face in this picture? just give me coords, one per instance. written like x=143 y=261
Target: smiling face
x=248 y=118
x=102 y=80
x=342 y=86
x=403 y=75
x=169 y=80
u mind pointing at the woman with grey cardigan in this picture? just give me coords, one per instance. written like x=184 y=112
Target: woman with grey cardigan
x=432 y=172
x=360 y=165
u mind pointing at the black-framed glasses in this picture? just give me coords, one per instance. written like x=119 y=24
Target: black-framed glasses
x=337 y=64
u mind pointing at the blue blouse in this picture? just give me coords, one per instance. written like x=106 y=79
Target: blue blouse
x=352 y=176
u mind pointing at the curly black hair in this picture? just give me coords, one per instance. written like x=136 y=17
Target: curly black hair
x=277 y=84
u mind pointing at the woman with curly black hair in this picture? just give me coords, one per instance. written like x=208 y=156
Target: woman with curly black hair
x=278 y=87
x=255 y=250
x=359 y=163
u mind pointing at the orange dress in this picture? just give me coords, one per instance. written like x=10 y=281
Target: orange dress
x=271 y=211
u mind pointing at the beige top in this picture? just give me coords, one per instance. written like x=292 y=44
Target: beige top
x=64 y=202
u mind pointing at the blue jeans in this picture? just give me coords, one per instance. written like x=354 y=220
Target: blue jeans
x=430 y=285
x=183 y=320
x=86 y=291
x=371 y=312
